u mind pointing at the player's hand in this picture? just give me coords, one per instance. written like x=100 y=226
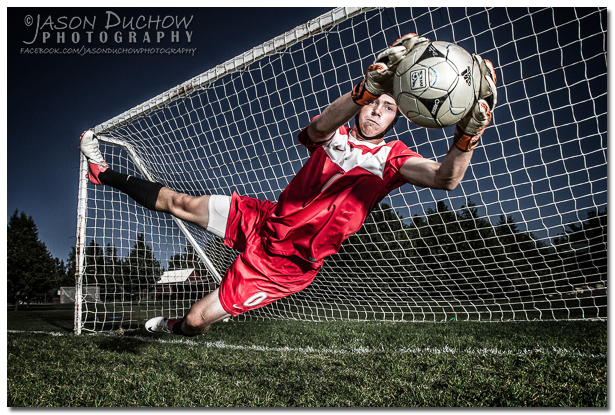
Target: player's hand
x=469 y=130
x=392 y=56
x=471 y=127
x=410 y=41
x=379 y=76
x=487 y=90
x=378 y=81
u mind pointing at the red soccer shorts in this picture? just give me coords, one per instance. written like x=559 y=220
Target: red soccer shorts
x=257 y=278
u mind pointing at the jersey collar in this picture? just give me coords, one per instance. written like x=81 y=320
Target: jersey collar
x=367 y=144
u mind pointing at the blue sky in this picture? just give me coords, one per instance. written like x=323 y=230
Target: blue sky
x=52 y=98
x=543 y=161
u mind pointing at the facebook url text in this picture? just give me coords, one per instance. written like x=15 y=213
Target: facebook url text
x=83 y=50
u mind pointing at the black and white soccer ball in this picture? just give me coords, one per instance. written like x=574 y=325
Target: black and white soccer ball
x=436 y=84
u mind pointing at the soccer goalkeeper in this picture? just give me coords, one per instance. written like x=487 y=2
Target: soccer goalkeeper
x=283 y=245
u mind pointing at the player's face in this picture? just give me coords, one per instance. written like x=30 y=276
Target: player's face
x=376 y=116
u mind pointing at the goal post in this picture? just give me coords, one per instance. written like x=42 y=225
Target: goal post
x=522 y=237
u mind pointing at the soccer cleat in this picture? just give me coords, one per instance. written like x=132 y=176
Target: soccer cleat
x=160 y=325
x=91 y=151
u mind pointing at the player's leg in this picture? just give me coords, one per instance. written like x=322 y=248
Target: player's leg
x=204 y=313
x=194 y=209
x=199 y=319
x=253 y=280
x=154 y=195
x=209 y=212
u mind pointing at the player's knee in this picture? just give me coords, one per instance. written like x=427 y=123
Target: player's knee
x=182 y=205
x=195 y=322
x=196 y=205
x=180 y=201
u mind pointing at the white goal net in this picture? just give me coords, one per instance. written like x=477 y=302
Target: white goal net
x=88 y=294
x=522 y=237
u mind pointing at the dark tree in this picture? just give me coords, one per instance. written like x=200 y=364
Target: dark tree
x=583 y=249
x=140 y=267
x=31 y=269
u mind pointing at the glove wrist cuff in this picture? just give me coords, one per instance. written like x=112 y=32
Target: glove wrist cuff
x=362 y=96
x=465 y=142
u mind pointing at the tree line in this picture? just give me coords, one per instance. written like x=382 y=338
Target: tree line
x=31 y=269
x=448 y=253
x=458 y=254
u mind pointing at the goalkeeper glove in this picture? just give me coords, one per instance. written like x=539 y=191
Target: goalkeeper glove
x=471 y=127
x=379 y=75
x=410 y=41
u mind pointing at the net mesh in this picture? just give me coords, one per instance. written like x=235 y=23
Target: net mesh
x=522 y=237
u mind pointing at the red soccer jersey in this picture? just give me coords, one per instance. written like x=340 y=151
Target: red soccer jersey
x=330 y=197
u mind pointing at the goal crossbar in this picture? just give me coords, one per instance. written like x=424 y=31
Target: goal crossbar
x=275 y=45
x=522 y=237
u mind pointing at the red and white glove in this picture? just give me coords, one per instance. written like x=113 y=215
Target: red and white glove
x=379 y=75
x=470 y=128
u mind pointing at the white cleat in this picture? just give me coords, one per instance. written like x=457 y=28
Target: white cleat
x=158 y=325
x=90 y=149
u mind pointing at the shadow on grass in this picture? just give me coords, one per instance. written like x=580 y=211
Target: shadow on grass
x=61 y=326
x=48 y=317
x=121 y=345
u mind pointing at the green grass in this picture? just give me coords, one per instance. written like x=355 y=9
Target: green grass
x=300 y=364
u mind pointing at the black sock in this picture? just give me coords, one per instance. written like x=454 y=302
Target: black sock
x=177 y=328
x=142 y=191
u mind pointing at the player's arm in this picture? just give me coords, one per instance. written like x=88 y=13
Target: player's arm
x=429 y=173
x=333 y=117
x=449 y=173
x=378 y=80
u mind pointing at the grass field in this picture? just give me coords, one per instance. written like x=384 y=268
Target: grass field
x=299 y=364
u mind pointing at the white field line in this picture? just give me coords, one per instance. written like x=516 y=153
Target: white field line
x=446 y=350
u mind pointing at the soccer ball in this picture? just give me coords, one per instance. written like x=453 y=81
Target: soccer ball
x=436 y=84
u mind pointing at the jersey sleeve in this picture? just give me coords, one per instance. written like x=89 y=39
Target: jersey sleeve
x=397 y=157
x=304 y=139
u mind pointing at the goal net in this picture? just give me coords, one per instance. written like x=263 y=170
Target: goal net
x=522 y=237
x=88 y=294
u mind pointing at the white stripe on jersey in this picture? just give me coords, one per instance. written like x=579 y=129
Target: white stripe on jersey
x=347 y=157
